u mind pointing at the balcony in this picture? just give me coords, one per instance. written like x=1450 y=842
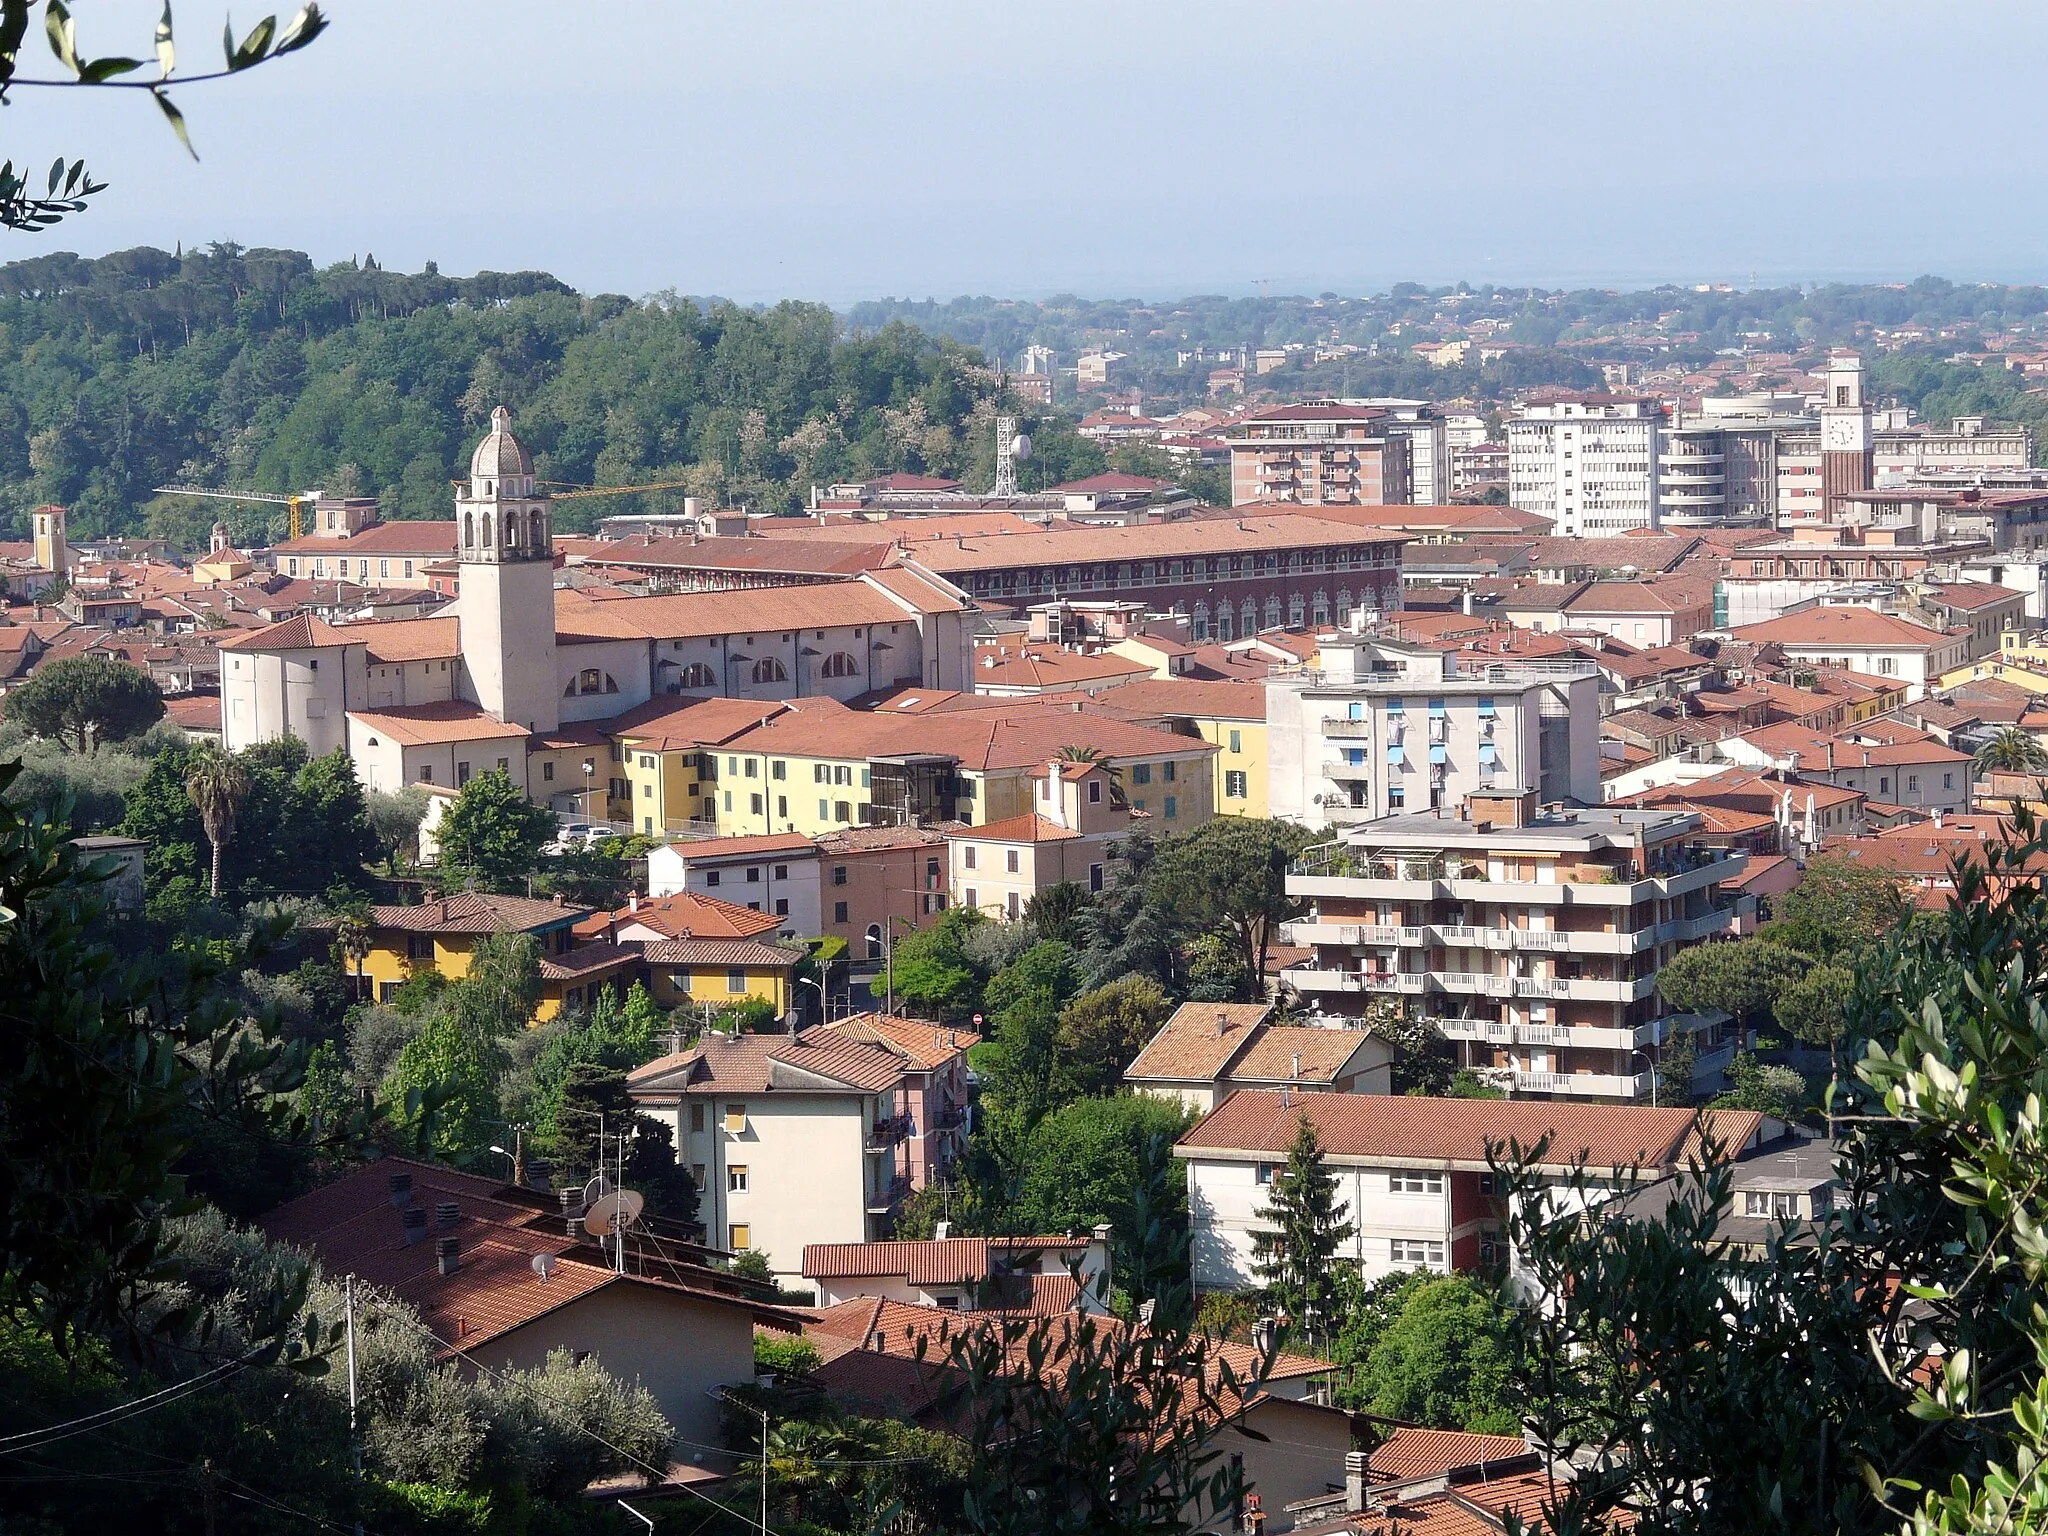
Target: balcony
x=950 y=1117
x=1582 y=1085
x=886 y=1196
x=1315 y=978
x=1310 y=933
x=886 y=1132
x=1336 y=726
x=1586 y=1036
x=1346 y=772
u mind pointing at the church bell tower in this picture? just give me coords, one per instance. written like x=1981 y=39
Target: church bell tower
x=506 y=550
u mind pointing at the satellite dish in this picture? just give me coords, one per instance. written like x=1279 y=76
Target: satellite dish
x=1020 y=445
x=596 y=1190
x=613 y=1212
x=544 y=1265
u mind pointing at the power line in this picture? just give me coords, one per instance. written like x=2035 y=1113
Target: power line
x=29 y=1440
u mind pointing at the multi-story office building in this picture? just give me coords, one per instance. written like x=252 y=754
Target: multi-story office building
x=1382 y=727
x=1319 y=454
x=1589 y=462
x=1531 y=938
x=1719 y=471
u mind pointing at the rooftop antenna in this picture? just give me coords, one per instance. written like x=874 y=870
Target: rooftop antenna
x=1012 y=448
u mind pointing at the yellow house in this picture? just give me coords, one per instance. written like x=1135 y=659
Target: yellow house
x=2022 y=660
x=1229 y=715
x=441 y=936
x=695 y=972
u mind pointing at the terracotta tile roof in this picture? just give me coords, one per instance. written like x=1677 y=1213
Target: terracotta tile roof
x=1113 y=480
x=194 y=711
x=823 y=605
x=734 y=954
x=1471 y=1509
x=477 y=912
x=1852 y=627
x=1399 y=1129
x=415 y=725
x=301 y=633
x=1409 y=1452
x=1037 y=666
x=1162 y=698
x=586 y=960
x=878 y=839
x=729 y=1064
x=709 y=848
x=685 y=915
x=352 y=1225
x=1294 y=1053
x=934 y=1261
x=1029 y=828
x=806 y=557
x=1198 y=1041
x=1224 y=534
x=397 y=640
x=405 y=536
x=666 y=724
x=1853 y=747
x=928 y=1046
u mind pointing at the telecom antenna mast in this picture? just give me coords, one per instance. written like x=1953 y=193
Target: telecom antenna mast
x=1012 y=447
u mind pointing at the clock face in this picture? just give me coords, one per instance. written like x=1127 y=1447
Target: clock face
x=1840 y=433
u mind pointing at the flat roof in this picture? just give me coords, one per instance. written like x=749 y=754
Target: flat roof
x=1565 y=828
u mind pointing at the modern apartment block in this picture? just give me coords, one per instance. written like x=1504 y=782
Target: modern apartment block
x=1429 y=445
x=1532 y=938
x=1384 y=727
x=1321 y=454
x=1590 y=462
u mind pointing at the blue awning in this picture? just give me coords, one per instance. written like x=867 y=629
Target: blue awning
x=1438 y=755
x=1395 y=756
x=1487 y=752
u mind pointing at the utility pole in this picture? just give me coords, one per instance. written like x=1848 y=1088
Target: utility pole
x=355 y=1441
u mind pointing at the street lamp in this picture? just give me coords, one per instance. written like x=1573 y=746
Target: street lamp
x=1639 y=1051
x=589 y=788
x=824 y=1004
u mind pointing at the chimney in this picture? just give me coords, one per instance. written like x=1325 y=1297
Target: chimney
x=446 y=1214
x=1354 y=1480
x=1222 y=1023
x=414 y=1223
x=633 y=902
x=448 y=1251
x=1937 y=821
x=1294 y=1065
x=572 y=1213
x=943 y=1231
x=401 y=1188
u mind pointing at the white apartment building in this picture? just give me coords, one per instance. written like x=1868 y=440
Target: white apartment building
x=1429 y=445
x=1531 y=938
x=1590 y=462
x=1384 y=727
x=779 y=873
x=1413 y=1175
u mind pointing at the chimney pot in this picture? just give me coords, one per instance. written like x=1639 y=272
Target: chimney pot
x=446 y=1214
x=401 y=1188
x=413 y=1223
x=448 y=1251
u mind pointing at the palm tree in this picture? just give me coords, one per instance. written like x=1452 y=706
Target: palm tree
x=217 y=785
x=2012 y=750
x=352 y=935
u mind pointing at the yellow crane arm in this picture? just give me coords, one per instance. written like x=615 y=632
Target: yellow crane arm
x=217 y=494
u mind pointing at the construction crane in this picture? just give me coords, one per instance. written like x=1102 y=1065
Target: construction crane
x=292 y=502
x=613 y=490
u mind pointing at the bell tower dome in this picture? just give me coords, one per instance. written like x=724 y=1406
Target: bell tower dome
x=505 y=549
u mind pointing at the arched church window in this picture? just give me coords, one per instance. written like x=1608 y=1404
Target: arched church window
x=512 y=531
x=590 y=681
x=769 y=670
x=487 y=532
x=538 y=538
x=697 y=675
x=840 y=664
x=469 y=530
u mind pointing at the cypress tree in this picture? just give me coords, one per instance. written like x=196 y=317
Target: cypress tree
x=1295 y=1256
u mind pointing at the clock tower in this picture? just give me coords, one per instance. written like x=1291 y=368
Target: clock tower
x=1845 y=446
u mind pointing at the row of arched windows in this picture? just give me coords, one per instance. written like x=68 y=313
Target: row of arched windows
x=536 y=532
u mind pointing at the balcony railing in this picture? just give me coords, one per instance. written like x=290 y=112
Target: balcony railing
x=887 y=1131
x=1585 y=1085
x=889 y=1194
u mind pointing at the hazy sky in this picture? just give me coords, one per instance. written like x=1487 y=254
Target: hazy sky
x=861 y=148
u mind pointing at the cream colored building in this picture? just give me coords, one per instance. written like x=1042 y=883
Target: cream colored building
x=791 y=1141
x=1079 y=810
x=1207 y=1051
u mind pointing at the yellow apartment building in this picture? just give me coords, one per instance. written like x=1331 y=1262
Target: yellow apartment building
x=695 y=972
x=1230 y=716
x=441 y=935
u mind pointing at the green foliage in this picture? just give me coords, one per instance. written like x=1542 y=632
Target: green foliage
x=1466 y=1083
x=492 y=835
x=559 y=1426
x=930 y=969
x=1445 y=1360
x=1742 y=978
x=1837 y=906
x=1815 y=1008
x=86 y=699
x=1295 y=1252
x=784 y=1354
x=1019 y=1061
x=1101 y=1033
x=110 y=1063
x=395 y=819
x=301 y=829
x=2012 y=750
x=1770 y=1090
x=1231 y=874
